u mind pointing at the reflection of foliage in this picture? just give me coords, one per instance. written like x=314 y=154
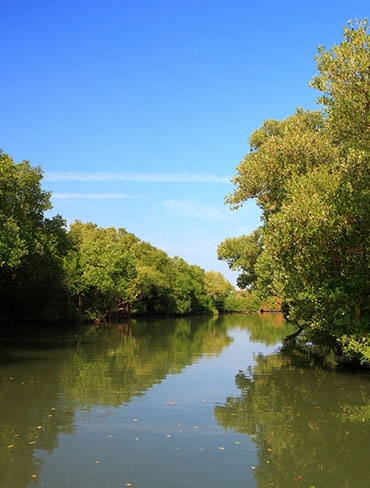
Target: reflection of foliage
x=306 y=422
x=268 y=328
x=100 y=366
x=137 y=355
x=106 y=366
x=32 y=415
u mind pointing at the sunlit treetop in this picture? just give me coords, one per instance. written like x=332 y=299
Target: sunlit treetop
x=343 y=78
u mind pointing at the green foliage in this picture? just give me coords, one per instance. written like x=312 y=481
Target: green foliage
x=309 y=174
x=217 y=288
x=113 y=273
x=242 y=302
x=343 y=78
x=49 y=274
x=100 y=274
x=241 y=254
x=279 y=151
x=32 y=247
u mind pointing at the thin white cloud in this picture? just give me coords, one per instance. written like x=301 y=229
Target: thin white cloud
x=96 y=196
x=135 y=177
x=194 y=209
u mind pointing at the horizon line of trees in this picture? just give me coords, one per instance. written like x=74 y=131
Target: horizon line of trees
x=51 y=273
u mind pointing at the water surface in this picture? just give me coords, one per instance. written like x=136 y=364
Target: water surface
x=208 y=402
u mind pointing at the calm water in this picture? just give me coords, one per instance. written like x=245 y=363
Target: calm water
x=209 y=403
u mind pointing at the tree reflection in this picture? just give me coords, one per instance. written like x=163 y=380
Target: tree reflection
x=32 y=414
x=114 y=364
x=309 y=422
x=43 y=384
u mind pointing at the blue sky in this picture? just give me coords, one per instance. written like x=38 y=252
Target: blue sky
x=139 y=111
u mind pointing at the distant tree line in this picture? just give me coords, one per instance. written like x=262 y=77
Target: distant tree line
x=310 y=175
x=51 y=273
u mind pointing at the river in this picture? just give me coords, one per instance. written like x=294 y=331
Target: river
x=179 y=403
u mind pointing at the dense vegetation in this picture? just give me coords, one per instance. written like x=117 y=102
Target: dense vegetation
x=51 y=273
x=310 y=175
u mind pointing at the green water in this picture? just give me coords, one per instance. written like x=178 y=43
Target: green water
x=205 y=402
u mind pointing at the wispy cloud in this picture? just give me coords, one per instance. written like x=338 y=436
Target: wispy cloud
x=136 y=177
x=194 y=209
x=96 y=196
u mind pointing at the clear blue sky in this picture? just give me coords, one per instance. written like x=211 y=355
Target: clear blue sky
x=139 y=111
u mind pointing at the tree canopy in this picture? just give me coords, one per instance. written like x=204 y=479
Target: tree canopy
x=50 y=273
x=310 y=176
x=32 y=246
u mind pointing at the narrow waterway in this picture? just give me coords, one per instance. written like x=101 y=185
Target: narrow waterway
x=182 y=403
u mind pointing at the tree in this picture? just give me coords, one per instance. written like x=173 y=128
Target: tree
x=279 y=152
x=102 y=271
x=188 y=289
x=241 y=254
x=343 y=78
x=217 y=288
x=113 y=272
x=32 y=247
x=309 y=174
x=23 y=204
